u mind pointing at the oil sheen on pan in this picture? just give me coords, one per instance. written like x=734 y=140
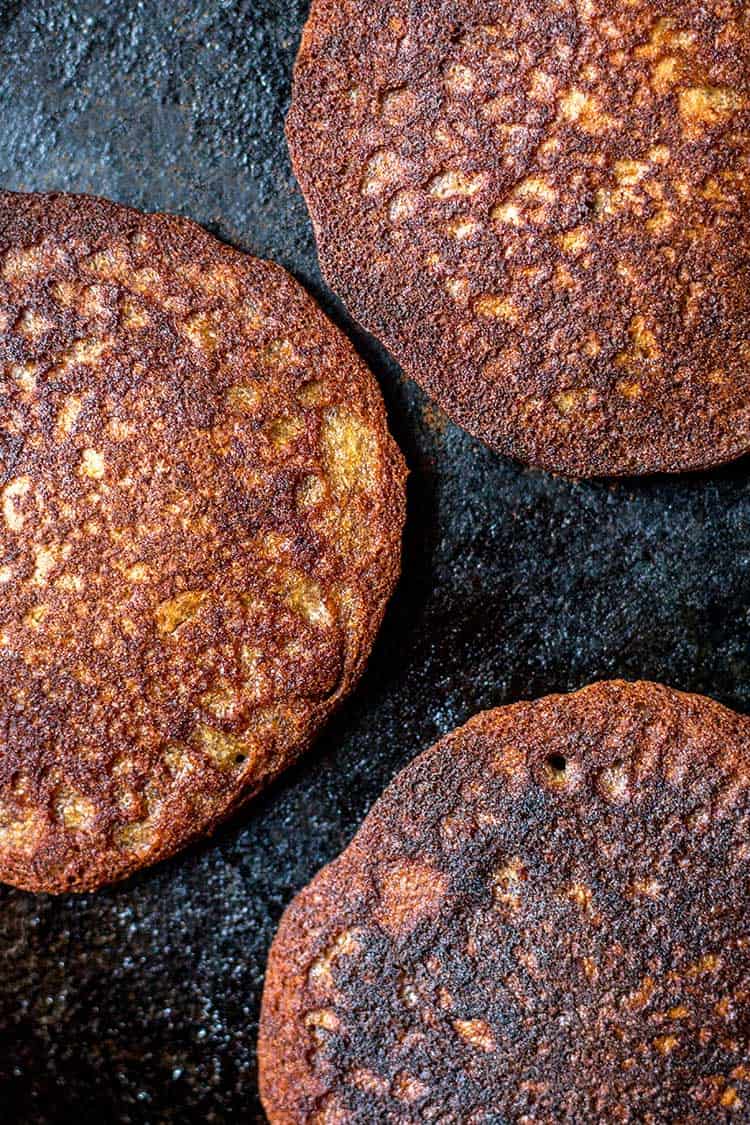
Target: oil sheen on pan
x=543 y=210
x=200 y=520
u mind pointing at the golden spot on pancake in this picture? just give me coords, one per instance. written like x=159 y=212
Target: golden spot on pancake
x=322 y=972
x=584 y=110
x=47 y=558
x=284 y=431
x=225 y=750
x=203 y=331
x=404 y=205
x=367 y=1080
x=311 y=491
x=279 y=355
x=383 y=170
x=36 y=616
x=66 y=419
x=455 y=184
x=709 y=963
x=315 y=393
x=462 y=228
x=409 y=894
x=20 y=833
x=138 y=837
x=459 y=79
x=459 y=288
x=613 y=784
x=244 y=398
x=350 y=451
x=80 y=352
x=23 y=264
x=702 y=106
x=574 y=241
x=581 y=895
x=507 y=883
x=398 y=104
x=477 y=1033
x=496 y=306
x=179 y=609
x=92 y=464
x=507 y=213
x=139 y=572
x=32 y=324
x=134 y=316
x=325 y=1018
x=649 y=888
x=113 y=263
x=75 y=810
x=25 y=376
x=305 y=597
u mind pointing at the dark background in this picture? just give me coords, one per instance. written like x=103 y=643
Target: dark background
x=140 y=1003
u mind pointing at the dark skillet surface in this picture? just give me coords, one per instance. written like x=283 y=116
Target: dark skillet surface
x=139 y=1004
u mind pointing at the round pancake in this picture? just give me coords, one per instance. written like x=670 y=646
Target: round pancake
x=545 y=917
x=200 y=521
x=543 y=210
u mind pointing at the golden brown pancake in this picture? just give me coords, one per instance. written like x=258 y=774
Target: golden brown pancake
x=543 y=209
x=200 y=521
x=545 y=918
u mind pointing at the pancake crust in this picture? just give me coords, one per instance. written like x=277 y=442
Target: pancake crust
x=543 y=209
x=200 y=521
x=545 y=917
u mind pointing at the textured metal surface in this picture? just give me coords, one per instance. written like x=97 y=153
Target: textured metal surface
x=139 y=1004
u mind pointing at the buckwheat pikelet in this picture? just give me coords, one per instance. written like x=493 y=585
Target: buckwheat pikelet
x=545 y=918
x=200 y=520
x=543 y=209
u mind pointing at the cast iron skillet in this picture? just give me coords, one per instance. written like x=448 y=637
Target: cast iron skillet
x=140 y=1003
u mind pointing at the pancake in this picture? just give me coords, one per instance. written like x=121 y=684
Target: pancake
x=543 y=210
x=200 y=521
x=545 y=918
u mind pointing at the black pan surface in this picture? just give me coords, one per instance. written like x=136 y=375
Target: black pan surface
x=140 y=1003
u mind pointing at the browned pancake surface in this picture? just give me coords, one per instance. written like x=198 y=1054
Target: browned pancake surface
x=544 y=918
x=200 y=518
x=543 y=209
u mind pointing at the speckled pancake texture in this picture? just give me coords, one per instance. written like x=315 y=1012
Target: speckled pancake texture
x=545 y=918
x=200 y=519
x=542 y=208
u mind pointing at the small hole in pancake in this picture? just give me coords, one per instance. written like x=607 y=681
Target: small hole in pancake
x=239 y=759
x=558 y=763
